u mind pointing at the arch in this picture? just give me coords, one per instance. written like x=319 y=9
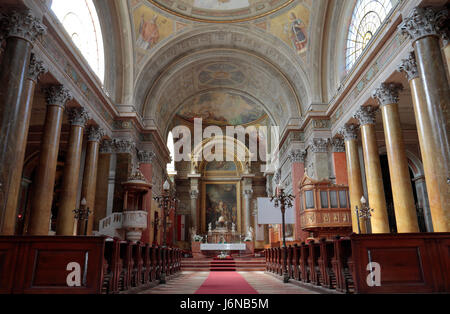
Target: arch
x=212 y=41
x=81 y=21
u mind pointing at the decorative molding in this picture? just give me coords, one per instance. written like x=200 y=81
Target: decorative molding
x=122 y=146
x=95 y=134
x=78 y=116
x=319 y=145
x=106 y=147
x=297 y=155
x=423 y=22
x=36 y=68
x=366 y=115
x=445 y=35
x=349 y=132
x=57 y=95
x=337 y=145
x=145 y=157
x=23 y=25
x=388 y=93
x=409 y=66
x=248 y=193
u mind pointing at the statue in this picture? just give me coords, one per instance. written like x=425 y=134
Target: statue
x=249 y=236
x=193 y=233
x=210 y=227
x=233 y=227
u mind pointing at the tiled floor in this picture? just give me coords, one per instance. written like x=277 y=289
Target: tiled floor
x=189 y=282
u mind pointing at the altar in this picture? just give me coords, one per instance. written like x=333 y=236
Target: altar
x=223 y=247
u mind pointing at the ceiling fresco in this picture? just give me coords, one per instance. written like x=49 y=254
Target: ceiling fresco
x=221 y=10
x=222 y=108
x=153 y=24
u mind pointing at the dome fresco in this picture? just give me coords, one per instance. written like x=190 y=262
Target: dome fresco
x=222 y=108
x=221 y=10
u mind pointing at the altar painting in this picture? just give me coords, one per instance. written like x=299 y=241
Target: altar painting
x=220 y=200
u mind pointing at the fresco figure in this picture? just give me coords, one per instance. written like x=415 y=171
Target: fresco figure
x=148 y=32
x=297 y=30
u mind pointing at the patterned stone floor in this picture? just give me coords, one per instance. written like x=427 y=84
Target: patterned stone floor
x=189 y=282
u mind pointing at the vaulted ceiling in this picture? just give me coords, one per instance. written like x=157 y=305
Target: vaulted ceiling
x=167 y=46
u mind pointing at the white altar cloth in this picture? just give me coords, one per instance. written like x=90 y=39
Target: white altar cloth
x=223 y=247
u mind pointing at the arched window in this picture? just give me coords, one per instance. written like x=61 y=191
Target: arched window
x=80 y=19
x=171 y=147
x=367 y=17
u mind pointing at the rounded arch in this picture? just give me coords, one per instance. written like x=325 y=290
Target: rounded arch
x=255 y=45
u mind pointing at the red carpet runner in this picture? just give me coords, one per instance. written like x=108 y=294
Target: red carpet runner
x=226 y=283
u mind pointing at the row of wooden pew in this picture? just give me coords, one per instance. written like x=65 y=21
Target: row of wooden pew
x=130 y=265
x=327 y=263
x=82 y=265
x=369 y=263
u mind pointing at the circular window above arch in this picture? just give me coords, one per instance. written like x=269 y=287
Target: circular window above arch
x=221 y=11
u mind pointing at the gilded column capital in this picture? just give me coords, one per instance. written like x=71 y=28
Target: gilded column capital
x=319 y=145
x=123 y=146
x=337 y=145
x=349 y=132
x=36 y=68
x=78 y=116
x=423 y=22
x=145 y=157
x=23 y=25
x=388 y=93
x=409 y=66
x=95 y=134
x=106 y=147
x=366 y=115
x=57 y=95
x=297 y=155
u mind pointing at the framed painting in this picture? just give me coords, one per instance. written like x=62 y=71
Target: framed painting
x=221 y=199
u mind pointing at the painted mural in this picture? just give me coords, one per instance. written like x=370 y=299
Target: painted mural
x=222 y=108
x=221 y=201
x=150 y=27
x=221 y=166
x=292 y=27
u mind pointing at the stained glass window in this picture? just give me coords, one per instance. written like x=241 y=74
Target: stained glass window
x=80 y=19
x=367 y=17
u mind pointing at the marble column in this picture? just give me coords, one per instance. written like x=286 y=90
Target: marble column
x=44 y=183
x=445 y=34
x=422 y=27
x=21 y=30
x=145 y=159
x=65 y=223
x=432 y=158
x=404 y=204
x=297 y=158
x=95 y=135
x=355 y=185
x=102 y=186
x=377 y=200
x=194 y=202
x=35 y=69
x=248 y=197
x=339 y=161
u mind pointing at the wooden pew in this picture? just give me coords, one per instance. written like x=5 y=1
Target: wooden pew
x=290 y=265
x=304 y=267
x=138 y=263
x=296 y=261
x=146 y=267
x=313 y=263
x=126 y=254
x=410 y=263
x=341 y=260
x=328 y=278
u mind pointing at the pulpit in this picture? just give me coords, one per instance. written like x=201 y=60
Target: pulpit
x=135 y=211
